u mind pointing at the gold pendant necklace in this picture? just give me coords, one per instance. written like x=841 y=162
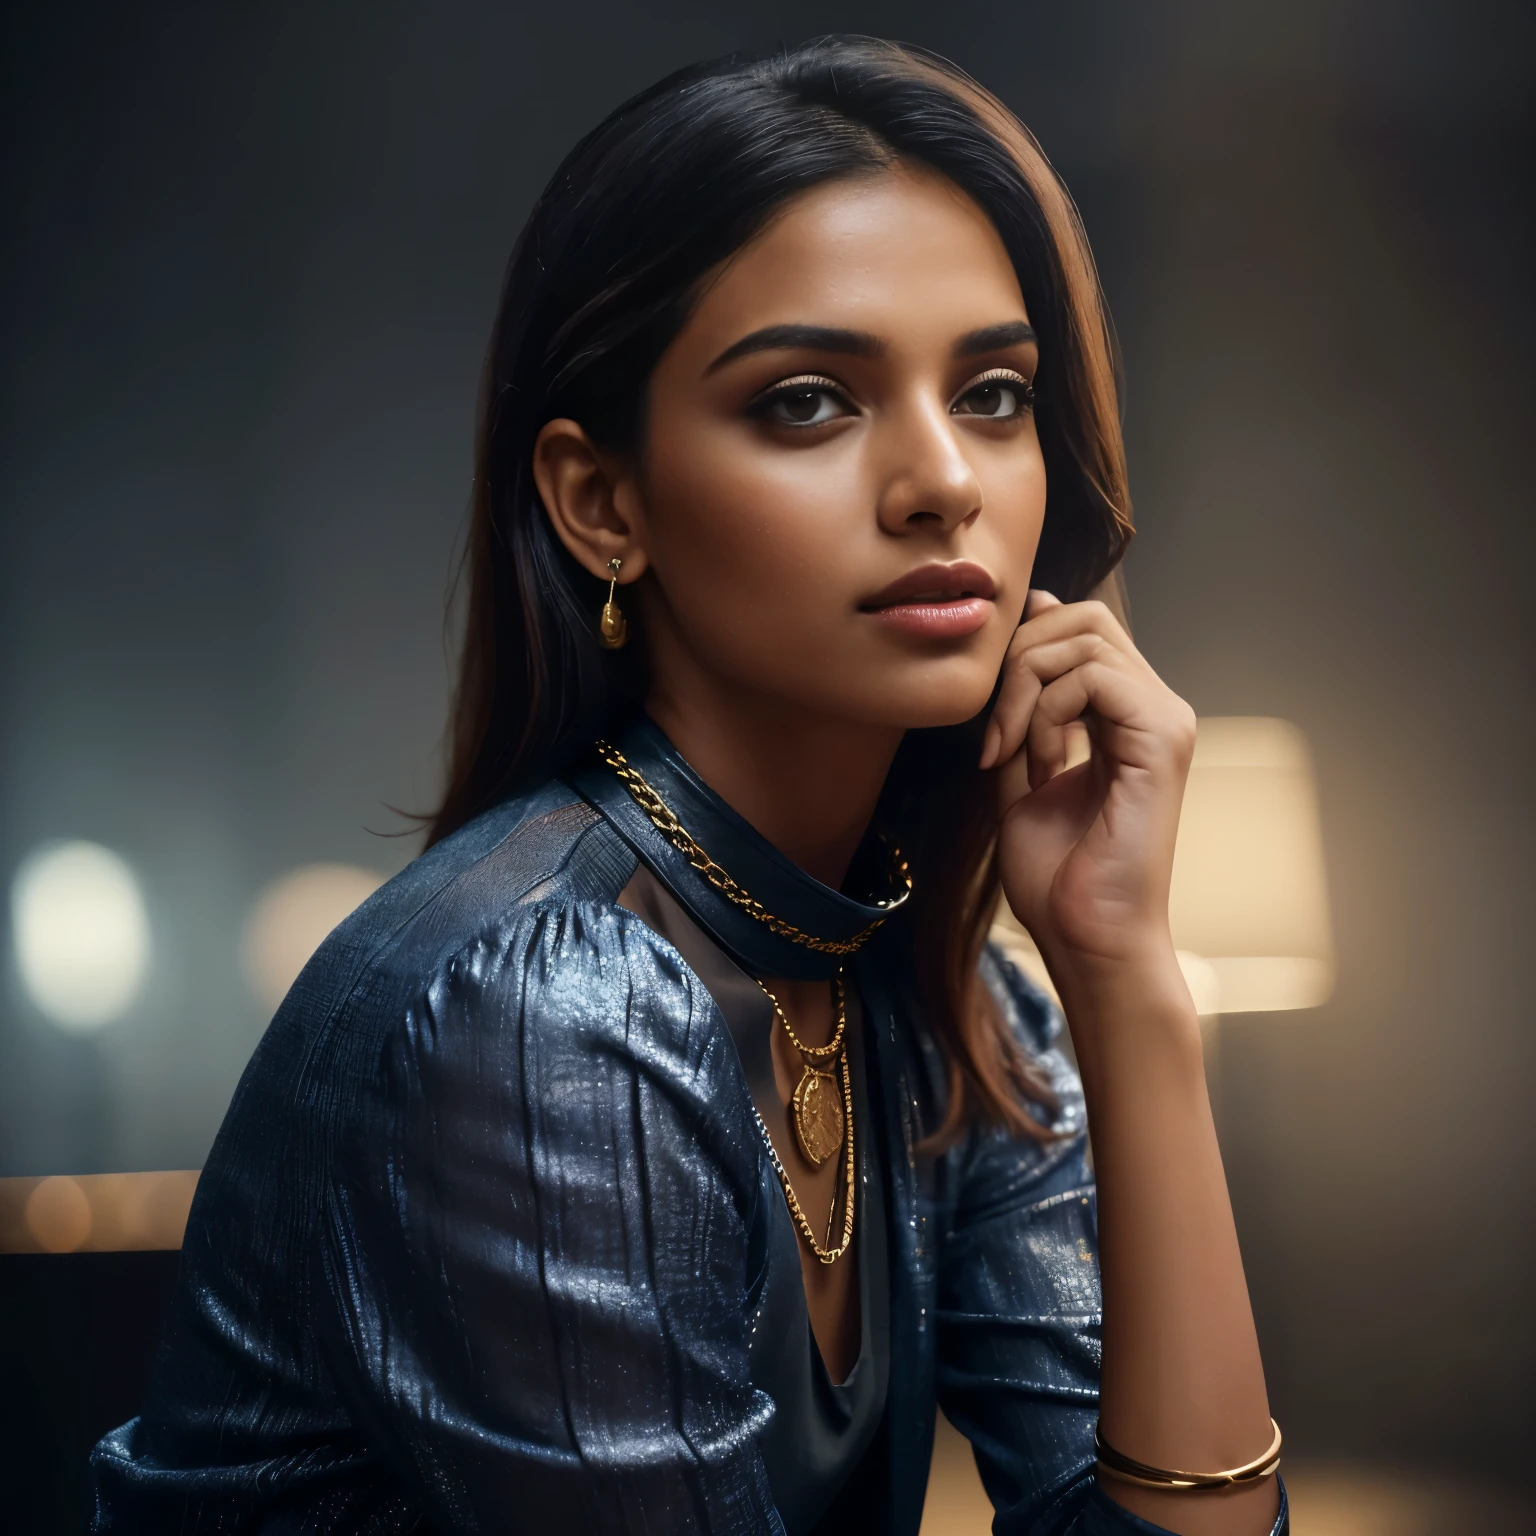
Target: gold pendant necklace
x=818 y=1116
x=821 y=1124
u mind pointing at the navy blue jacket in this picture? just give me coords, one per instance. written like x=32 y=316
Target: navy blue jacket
x=475 y=1248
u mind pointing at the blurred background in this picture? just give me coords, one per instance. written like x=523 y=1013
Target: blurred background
x=250 y=259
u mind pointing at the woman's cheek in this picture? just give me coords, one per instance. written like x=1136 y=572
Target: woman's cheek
x=760 y=528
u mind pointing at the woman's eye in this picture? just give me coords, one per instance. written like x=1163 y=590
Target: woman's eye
x=996 y=399
x=803 y=405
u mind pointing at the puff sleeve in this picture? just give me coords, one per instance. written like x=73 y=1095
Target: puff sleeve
x=534 y=1252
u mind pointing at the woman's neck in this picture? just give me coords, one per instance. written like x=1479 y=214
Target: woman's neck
x=806 y=782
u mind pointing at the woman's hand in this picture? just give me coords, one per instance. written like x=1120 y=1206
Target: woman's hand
x=1086 y=853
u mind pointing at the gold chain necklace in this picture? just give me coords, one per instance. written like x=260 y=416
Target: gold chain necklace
x=815 y=1090
x=818 y=1117
x=664 y=819
x=826 y=1254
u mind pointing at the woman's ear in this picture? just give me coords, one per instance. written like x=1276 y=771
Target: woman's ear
x=592 y=499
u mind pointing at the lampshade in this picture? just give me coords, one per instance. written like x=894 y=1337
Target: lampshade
x=1249 y=892
x=1249 y=904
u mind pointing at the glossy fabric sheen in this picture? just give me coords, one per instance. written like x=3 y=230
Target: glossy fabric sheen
x=474 y=1248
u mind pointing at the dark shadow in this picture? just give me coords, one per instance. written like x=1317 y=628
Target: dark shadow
x=78 y=1333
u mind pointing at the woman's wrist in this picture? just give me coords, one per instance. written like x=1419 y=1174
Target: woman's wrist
x=1128 y=1005
x=1141 y=973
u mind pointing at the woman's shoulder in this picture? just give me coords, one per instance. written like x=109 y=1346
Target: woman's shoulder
x=543 y=850
x=491 y=999
x=513 y=914
x=495 y=972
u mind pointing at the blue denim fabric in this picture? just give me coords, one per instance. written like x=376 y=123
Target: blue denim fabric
x=472 y=1250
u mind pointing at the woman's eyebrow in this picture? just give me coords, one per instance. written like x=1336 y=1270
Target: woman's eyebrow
x=993 y=338
x=808 y=338
x=833 y=338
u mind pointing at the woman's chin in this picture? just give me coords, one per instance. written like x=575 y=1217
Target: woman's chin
x=925 y=702
x=935 y=719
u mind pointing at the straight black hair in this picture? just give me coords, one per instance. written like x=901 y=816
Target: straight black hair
x=607 y=268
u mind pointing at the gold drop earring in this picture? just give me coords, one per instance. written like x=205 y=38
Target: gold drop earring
x=613 y=628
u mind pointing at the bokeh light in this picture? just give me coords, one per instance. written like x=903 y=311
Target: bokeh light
x=96 y=1212
x=58 y=1215
x=292 y=918
x=81 y=934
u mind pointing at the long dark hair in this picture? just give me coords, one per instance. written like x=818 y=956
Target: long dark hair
x=603 y=277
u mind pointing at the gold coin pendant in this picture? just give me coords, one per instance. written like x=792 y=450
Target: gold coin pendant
x=818 y=1116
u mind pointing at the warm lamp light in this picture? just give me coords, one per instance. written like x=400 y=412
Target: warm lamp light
x=291 y=919
x=1249 y=904
x=95 y=1212
x=1249 y=894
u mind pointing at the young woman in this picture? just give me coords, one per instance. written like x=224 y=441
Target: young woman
x=658 y=1148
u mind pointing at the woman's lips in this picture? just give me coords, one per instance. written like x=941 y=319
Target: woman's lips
x=937 y=618
x=936 y=602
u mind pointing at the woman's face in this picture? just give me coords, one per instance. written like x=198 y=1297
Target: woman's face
x=842 y=487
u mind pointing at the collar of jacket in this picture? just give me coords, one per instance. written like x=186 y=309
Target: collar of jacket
x=781 y=886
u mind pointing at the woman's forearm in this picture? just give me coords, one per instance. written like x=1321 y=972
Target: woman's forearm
x=1182 y=1385
x=1086 y=858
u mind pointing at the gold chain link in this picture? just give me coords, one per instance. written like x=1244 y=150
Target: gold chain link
x=664 y=819
x=816 y=1053
x=825 y=1255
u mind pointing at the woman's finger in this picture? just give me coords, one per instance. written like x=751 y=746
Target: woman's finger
x=1011 y=782
x=1010 y=715
x=1135 y=719
x=1043 y=664
x=1054 y=620
x=1060 y=703
x=1049 y=659
x=1037 y=601
x=1020 y=688
x=1054 y=638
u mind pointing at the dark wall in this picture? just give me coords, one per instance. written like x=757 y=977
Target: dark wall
x=250 y=256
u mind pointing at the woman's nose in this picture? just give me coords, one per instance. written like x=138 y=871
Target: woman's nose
x=926 y=481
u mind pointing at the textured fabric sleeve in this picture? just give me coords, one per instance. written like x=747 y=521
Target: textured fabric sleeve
x=535 y=1249
x=1020 y=1307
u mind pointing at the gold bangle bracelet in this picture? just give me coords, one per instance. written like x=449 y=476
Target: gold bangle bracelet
x=1128 y=1470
